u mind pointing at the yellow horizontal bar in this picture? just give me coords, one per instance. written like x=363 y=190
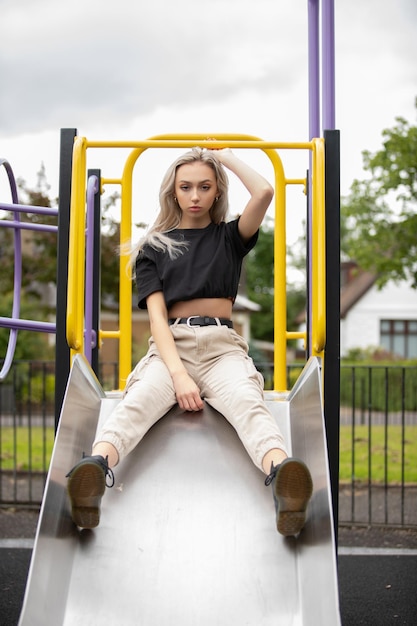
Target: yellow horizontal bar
x=296 y=181
x=191 y=142
x=111 y=181
x=109 y=334
x=296 y=334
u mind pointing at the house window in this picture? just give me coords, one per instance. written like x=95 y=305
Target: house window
x=400 y=337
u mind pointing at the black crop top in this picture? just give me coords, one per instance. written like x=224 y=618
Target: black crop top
x=209 y=267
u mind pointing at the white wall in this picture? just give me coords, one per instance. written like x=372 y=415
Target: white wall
x=360 y=328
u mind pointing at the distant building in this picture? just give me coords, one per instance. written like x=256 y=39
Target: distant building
x=374 y=318
x=377 y=318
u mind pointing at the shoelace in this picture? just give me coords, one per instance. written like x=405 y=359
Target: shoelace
x=104 y=464
x=272 y=474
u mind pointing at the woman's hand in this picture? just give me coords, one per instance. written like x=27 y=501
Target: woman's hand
x=187 y=392
x=220 y=152
x=224 y=155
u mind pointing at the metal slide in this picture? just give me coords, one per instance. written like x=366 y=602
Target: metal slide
x=187 y=534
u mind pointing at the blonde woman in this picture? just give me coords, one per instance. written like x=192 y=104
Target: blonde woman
x=187 y=271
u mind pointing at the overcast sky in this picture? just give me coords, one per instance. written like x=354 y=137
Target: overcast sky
x=130 y=70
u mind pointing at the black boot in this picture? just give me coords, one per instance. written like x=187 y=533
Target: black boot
x=292 y=487
x=86 y=485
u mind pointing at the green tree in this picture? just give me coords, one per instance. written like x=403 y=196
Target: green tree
x=260 y=284
x=6 y=260
x=40 y=252
x=379 y=216
x=110 y=242
x=39 y=259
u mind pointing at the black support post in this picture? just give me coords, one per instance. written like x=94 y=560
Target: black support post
x=332 y=350
x=62 y=352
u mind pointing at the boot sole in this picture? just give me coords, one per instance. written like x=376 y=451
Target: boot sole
x=293 y=490
x=86 y=486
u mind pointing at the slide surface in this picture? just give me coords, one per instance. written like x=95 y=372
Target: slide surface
x=187 y=534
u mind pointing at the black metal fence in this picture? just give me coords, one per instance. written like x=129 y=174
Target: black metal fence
x=27 y=429
x=378 y=441
x=378 y=445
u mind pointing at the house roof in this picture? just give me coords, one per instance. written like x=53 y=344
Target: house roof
x=355 y=289
x=357 y=286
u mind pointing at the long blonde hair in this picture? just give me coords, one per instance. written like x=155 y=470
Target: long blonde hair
x=169 y=216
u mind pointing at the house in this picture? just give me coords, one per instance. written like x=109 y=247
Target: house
x=373 y=317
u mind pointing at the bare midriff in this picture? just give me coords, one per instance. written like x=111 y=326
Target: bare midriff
x=209 y=307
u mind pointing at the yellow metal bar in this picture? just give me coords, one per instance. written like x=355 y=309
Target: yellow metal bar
x=295 y=334
x=319 y=251
x=111 y=181
x=280 y=280
x=280 y=270
x=125 y=345
x=296 y=181
x=109 y=334
x=76 y=252
x=76 y=280
x=223 y=140
x=125 y=277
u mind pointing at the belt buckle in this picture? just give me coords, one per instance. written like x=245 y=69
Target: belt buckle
x=193 y=317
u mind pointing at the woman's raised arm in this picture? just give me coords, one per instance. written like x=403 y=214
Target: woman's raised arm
x=260 y=190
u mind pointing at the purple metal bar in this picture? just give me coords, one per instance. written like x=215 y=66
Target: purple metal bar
x=328 y=66
x=314 y=131
x=15 y=323
x=314 y=68
x=30 y=210
x=11 y=345
x=19 y=324
x=89 y=336
x=27 y=226
x=321 y=100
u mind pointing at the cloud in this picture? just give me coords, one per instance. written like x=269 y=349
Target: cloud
x=121 y=70
x=93 y=61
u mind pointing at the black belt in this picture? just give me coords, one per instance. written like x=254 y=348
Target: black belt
x=196 y=320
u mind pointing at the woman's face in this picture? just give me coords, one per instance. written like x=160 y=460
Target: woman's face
x=196 y=192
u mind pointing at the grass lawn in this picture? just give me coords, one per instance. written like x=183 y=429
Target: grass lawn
x=390 y=450
x=26 y=449
x=386 y=456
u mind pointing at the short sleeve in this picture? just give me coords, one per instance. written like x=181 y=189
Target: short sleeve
x=147 y=279
x=241 y=247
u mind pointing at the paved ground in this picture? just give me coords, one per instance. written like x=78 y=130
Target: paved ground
x=377 y=572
